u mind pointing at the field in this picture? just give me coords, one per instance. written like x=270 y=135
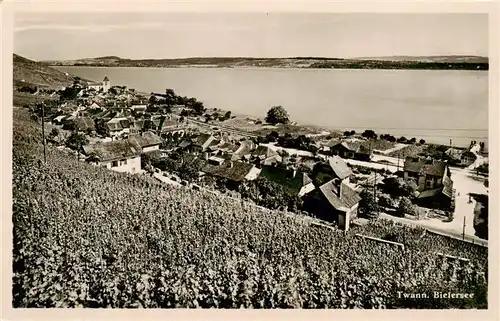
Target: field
x=88 y=237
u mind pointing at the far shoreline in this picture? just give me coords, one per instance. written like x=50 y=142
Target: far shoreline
x=265 y=68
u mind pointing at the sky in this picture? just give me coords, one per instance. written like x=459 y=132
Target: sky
x=60 y=36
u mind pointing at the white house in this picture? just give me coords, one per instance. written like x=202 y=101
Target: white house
x=119 y=155
x=139 y=107
x=118 y=126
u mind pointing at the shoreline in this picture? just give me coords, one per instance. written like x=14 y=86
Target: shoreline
x=266 y=67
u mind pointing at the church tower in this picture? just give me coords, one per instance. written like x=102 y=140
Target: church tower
x=106 y=84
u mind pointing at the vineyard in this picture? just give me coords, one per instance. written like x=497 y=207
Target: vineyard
x=88 y=237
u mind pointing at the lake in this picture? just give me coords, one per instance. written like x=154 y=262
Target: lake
x=436 y=105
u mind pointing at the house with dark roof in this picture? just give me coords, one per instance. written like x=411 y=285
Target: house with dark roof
x=334 y=201
x=147 y=140
x=433 y=180
x=119 y=155
x=295 y=182
x=428 y=173
x=353 y=150
x=467 y=158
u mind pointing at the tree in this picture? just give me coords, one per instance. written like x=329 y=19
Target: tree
x=76 y=140
x=369 y=133
x=153 y=100
x=171 y=97
x=348 y=133
x=198 y=108
x=277 y=115
x=422 y=141
x=402 y=140
x=412 y=141
x=368 y=205
x=227 y=115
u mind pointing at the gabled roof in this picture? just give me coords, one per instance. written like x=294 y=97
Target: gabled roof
x=106 y=78
x=355 y=147
x=146 y=139
x=236 y=173
x=84 y=123
x=339 y=167
x=185 y=143
x=113 y=150
x=453 y=153
x=425 y=167
x=264 y=151
x=203 y=139
x=342 y=201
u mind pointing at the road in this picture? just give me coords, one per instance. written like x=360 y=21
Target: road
x=432 y=227
x=390 y=150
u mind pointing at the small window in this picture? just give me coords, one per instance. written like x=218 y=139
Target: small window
x=114 y=164
x=124 y=162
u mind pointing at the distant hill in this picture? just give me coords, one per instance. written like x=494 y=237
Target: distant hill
x=449 y=59
x=29 y=72
x=394 y=62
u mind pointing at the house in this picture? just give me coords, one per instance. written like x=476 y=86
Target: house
x=232 y=171
x=244 y=151
x=468 y=158
x=454 y=153
x=295 y=182
x=433 y=181
x=84 y=124
x=334 y=201
x=105 y=85
x=97 y=86
x=217 y=161
x=262 y=152
x=353 y=150
x=138 y=107
x=147 y=140
x=427 y=173
x=335 y=167
x=120 y=155
x=202 y=142
x=118 y=126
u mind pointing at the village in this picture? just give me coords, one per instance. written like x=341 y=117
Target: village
x=342 y=178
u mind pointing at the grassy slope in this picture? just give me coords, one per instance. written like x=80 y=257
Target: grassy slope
x=86 y=236
x=36 y=73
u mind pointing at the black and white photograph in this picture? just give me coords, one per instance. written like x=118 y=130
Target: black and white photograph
x=250 y=160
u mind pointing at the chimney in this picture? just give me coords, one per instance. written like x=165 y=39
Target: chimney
x=294 y=172
x=205 y=155
x=231 y=164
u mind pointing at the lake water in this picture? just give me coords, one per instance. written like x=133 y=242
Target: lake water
x=430 y=104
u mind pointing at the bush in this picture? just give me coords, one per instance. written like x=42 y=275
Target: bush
x=407 y=207
x=368 y=206
x=385 y=201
